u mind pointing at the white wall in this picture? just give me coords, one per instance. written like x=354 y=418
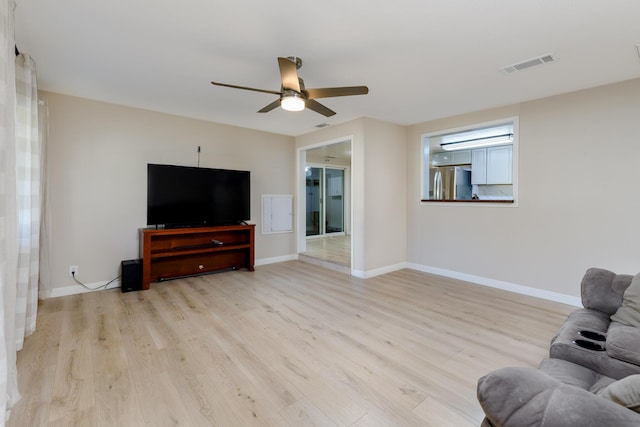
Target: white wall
x=385 y=195
x=579 y=198
x=97 y=157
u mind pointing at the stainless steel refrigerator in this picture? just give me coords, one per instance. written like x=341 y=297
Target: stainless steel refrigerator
x=450 y=183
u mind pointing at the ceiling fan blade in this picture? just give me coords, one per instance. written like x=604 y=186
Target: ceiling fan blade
x=330 y=92
x=319 y=108
x=274 y=104
x=246 y=88
x=289 y=74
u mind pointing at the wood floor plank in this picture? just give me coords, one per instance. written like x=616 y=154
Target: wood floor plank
x=38 y=361
x=437 y=412
x=114 y=390
x=73 y=397
x=291 y=344
x=303 y=413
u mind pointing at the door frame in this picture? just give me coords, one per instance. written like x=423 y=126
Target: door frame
x=301 y=163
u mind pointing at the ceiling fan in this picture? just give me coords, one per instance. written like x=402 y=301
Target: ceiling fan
x=293 y=96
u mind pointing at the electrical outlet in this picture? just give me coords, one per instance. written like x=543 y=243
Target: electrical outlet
x=73 y=269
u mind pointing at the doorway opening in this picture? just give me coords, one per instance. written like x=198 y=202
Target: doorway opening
x=327 y=205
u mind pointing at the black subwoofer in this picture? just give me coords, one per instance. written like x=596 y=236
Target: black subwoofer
x=131 y=276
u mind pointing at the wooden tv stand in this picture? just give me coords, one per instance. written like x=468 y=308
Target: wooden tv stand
x=179 y=252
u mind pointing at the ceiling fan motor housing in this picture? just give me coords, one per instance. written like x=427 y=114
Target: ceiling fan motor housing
x=296 y=60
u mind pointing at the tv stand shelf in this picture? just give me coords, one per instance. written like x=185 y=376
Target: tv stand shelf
x=179 y=252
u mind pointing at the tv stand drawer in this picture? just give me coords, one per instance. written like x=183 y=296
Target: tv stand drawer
x=189 y=265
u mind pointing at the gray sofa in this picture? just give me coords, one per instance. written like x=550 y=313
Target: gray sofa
x=592 y=377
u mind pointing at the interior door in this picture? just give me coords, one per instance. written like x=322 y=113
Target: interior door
x=314 y=211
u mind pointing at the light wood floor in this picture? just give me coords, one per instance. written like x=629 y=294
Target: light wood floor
x=333 y=249
x=290 y=344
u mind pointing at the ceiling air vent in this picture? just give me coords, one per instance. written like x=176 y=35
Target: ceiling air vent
x=540 y=60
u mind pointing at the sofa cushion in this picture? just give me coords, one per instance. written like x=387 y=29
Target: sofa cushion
x=629 y=312
x=623 y=343
x=575 y=375
x=515 y=394
x=625 y=392
x=602 y=289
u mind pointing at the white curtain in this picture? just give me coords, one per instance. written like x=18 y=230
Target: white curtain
x=29 y=196
x=21 y=195
x=44 y=287
x=8 y=213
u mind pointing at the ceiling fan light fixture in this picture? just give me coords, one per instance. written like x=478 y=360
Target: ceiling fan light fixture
x=292 y=102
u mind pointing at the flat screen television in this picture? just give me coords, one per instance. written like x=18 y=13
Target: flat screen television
x=184 y=196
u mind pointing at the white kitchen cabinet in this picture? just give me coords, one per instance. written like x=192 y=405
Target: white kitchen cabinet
x=479 y=166
x=462 y=157
x=441 y=159
x=499 y=164
x=492 y=165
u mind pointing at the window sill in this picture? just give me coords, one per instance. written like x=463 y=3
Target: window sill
x=468 y=201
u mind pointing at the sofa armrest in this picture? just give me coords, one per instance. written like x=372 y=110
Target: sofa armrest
x=522 y=397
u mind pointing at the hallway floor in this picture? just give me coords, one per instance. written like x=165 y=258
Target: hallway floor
x=331 y=251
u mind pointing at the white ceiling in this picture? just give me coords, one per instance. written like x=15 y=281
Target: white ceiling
x=332 y=154
x=421 y=59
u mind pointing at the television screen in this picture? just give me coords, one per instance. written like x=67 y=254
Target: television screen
x=189 y=196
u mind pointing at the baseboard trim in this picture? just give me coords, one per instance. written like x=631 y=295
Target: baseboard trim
x=378 y=271
x=274 y=260
x=98 y=286
x=498 y=284
x=77 y=289
x=479 y=280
